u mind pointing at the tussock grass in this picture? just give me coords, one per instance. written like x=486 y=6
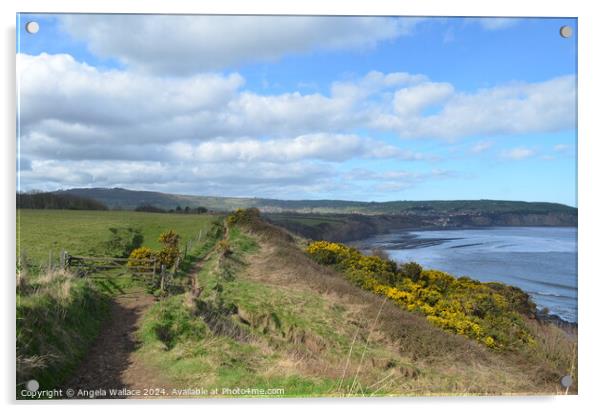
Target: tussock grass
x=58 y=316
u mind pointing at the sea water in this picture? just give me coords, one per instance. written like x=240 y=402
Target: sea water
x=542 y=261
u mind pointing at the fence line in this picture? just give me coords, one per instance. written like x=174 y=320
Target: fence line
x=87 y=265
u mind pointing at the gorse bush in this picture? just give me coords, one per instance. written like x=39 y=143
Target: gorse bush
x=488 y=312
x=167 y=255
x=243 y=216
x=171 y=249
x=139 y=259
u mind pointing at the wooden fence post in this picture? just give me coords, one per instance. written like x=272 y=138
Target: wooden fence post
x=175 y=267
x=63 y=259
x=162 y=277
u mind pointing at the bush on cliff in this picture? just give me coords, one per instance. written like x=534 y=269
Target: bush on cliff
x=488 y=312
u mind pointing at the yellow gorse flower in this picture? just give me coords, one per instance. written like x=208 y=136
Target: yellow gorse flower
x=461 y=305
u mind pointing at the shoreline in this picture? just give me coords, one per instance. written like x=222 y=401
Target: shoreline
x=406 y=240
x=552 y=318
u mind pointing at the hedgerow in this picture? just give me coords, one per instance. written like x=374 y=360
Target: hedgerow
x=491 y=313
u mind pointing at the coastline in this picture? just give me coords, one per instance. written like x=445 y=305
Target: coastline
x=404 y=239
x=550 y=318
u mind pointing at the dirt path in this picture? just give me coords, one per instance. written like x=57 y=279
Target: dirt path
x=111 y=362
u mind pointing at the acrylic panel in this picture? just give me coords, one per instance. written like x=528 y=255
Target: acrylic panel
x=295 y=206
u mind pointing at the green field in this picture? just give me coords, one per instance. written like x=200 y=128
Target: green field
x=44 y=232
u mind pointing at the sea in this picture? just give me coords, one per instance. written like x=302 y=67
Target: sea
x=542 y=261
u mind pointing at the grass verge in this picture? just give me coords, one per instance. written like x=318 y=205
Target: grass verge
x=58 y=317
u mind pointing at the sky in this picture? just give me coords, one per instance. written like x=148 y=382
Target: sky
x=299 y=107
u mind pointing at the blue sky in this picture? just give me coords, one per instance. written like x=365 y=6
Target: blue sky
x=369 y=109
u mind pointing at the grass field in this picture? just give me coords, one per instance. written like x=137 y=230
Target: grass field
x=44 y=232
x=78 y=307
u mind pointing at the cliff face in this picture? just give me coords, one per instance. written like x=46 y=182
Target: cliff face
x=552 y=219
x=355 y=227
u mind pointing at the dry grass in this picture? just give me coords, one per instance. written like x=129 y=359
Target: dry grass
x=315 y=334
x=435 y=361
x=57 y=317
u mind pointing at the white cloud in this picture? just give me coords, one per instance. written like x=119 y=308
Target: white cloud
x=517 y=153
x=59 y=88
x=395 y=175
x=481 y=146
x=412 y=100
x=394 y=180
x=233 y=178
x=514 y=108
x=63 y=97
x=325 y=147
x=561 y=148
x=72 y=112
x=187 y=44
x=496 y=23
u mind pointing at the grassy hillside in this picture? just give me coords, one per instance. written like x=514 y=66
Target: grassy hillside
x=40 y=232
x=263 y=314
x=58 y=317
x=118 y=198
x=264 y=311
x=77 y=308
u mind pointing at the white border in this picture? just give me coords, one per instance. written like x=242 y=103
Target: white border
x=589 y=199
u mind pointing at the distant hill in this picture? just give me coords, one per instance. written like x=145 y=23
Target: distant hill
x=119 y=198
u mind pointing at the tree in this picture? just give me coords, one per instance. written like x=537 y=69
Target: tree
x=148 y=208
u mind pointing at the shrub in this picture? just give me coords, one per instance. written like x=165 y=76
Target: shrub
x=243 y=216
x=411 y=270
x=122 y=241
x=487 y=313
x=170 y=251
x=138 y=259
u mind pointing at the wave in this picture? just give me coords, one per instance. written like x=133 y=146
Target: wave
x=466 y=245
x=546 y=283
x=553 y=296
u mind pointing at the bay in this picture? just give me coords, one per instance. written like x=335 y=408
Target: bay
x=540 y=260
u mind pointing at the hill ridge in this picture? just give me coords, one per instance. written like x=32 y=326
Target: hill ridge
x=122 y=198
